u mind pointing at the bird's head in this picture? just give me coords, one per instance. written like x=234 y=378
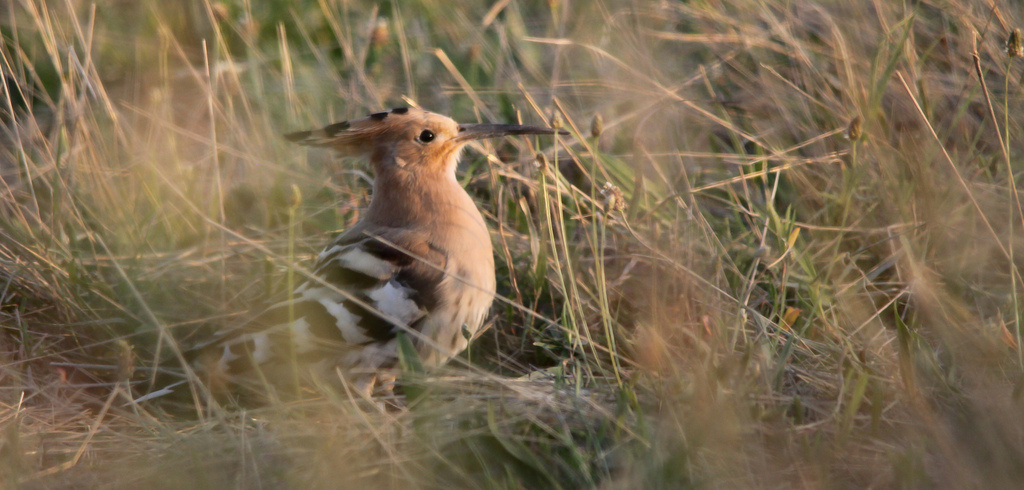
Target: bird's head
x=408 y=138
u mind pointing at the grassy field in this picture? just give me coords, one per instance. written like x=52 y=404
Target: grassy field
x=781 y=247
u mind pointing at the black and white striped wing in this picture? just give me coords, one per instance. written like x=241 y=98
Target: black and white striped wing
x=363 y=292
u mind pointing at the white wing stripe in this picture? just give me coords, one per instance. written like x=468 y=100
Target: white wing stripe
x=393 y=300
x=360 y=260
x=346 y=322
x=225 y=358
x=261 y=347
x=304 y=341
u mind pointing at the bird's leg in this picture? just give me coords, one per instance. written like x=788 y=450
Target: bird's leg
x=364 y=384
x=386 y=383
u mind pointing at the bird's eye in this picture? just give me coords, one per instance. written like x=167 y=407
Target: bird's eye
x=426 y=136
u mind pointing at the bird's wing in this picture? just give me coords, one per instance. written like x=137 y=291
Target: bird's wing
x=365 y=288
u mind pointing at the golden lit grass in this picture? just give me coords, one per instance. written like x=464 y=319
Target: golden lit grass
x=786 y=256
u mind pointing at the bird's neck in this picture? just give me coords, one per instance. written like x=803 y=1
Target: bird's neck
x=402 y=199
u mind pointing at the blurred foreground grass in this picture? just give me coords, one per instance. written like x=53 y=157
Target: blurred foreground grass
x=780 y=247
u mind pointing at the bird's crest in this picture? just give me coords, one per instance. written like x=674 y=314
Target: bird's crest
x=350 y=135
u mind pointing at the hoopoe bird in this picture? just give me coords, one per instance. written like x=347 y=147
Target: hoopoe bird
x=420 y=261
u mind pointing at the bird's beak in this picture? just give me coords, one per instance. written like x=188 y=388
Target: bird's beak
x=469 y=132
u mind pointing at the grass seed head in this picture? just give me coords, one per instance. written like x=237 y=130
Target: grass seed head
x=542 y=162
x=473 y=53
x=613 y=198
x=296 y=198
x=556 y=121
x=381 y=33
x=1014 y=47
x=853 y=130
